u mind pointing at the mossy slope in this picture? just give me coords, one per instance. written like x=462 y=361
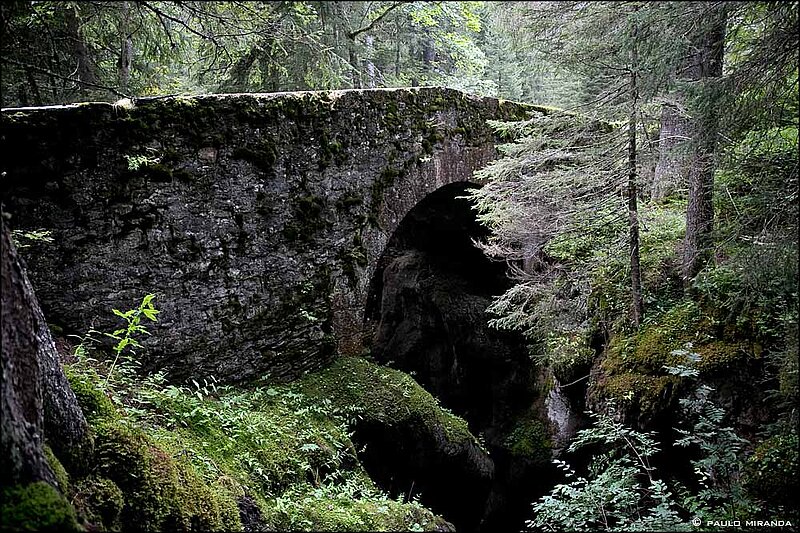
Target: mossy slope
x=229 y=459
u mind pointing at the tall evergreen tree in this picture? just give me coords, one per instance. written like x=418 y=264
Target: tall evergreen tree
x=703 y=75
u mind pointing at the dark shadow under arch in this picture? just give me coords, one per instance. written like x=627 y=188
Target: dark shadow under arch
x=425 y=315
x=442 y=226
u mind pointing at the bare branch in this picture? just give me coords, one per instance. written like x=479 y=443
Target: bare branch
x=355 y=33
x=62 y=77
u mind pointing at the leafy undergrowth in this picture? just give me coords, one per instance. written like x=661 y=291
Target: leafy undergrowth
x=213 y=457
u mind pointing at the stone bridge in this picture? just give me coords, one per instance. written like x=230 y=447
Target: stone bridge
x=259 y=220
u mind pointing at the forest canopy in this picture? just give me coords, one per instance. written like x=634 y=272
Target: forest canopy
x=56 y=52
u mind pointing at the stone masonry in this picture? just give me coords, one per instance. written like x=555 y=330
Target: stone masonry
x=257 y=219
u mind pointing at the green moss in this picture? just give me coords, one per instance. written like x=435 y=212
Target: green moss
x=156 y=172
x=530 y=439
x=286 y=449
x=62 y=478
x=382 y=183
x=386 y=395
x=770 y=474
x=348 y=201
x=633 y=366
x=292 y=232
x=100 y=501
x=94 y=403
x=719 y=355
x=309 y=209
x=352 y=258
x=160 y=493
x=655 y=342
x=330 y=150
x=309 y=218
x=644 y=393
x=262 y=154
x=36 y=507
x=182 y=175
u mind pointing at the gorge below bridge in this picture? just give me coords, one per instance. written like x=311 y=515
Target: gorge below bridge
x=280 y=231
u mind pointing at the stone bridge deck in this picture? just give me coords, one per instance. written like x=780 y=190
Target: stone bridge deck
x=258 y=219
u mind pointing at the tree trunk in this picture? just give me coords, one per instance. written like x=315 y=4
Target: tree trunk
x=239 y=73
x=37 y=401
x=353 y=58
x=428 y=51
x=370 y=66
x=37 y=96
x=84 y=70
x=706 y=68
x=22 y=423
x=397 y=50
x=637 y=303
x=672 y=166
x=126 y=49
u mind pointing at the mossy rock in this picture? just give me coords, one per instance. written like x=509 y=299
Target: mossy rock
x=160 y=492
x=100 y=501
x=262 y=155
x=62 y=478
x=641 y=393
x=36 y=507
x=275 y=439
x=96 y=406
x=633 y=369
x=651 y=348
x=530 y=439
x=770 y=474
x=384 y=395
x=719 y=356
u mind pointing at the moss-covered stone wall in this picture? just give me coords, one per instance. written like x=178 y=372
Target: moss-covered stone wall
x=257 y=218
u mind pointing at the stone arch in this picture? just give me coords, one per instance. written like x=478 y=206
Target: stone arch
x=450 y=164
x=426 y=300
x=442 y=225
x=425 y=314
x=262 y=217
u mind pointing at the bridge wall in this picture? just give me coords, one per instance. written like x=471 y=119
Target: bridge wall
x=258 y=219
